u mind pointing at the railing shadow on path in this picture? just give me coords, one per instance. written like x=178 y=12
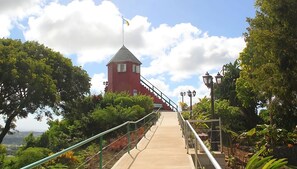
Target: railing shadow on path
x=130 y=157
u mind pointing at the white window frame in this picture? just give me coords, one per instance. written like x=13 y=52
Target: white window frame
x=122 y=67
x=136 y=68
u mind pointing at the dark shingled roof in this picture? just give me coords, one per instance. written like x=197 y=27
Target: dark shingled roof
x=124 y=55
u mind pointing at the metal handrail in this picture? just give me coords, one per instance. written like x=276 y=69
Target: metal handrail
x=219 y=130
x=100 y=135
x=187 y=127
x=209 y=155
x=159 y=93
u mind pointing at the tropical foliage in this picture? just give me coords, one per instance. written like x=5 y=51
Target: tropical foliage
x=259 y=162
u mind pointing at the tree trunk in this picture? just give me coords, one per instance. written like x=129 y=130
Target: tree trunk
x=7 y=126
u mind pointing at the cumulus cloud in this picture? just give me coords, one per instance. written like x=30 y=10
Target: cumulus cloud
x=94 y=33
x=13 y=11
x=6 y=25
x=161 y=85
x=195 y=55
x=90 y=31
x=97 y=86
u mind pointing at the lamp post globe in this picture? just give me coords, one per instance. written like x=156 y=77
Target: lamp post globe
x=207 y=79
x=219 y=78
x=191 y=94
x=182 y=95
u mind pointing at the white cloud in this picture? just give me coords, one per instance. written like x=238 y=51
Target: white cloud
x=13 y=11
x=195 y=55
x=31 y=124
x=161 y=85
x=91 y=31
x=201 y=92
x=6 y=25
x=97 y=86
x=94 y=33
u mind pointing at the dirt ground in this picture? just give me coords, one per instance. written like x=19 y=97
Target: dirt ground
x=236 y=158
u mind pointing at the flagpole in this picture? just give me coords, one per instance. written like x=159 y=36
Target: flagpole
x=123 y=33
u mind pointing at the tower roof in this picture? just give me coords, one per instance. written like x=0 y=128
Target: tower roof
x=124 y=55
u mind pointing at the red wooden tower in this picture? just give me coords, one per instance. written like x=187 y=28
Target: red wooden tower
x=124 y=72
x=124 y=76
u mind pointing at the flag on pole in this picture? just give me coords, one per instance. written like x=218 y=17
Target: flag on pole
x=125 y=21
x=123 y=33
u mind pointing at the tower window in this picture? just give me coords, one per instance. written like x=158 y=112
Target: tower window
x=122 y=67
x=136 y=68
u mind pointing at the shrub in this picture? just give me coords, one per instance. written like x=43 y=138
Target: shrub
x=123 y=102
x=257 y=162
x=31 y=155
x=2 y=155
x=145 y=102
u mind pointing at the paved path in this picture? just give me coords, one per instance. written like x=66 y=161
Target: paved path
x=163 y=148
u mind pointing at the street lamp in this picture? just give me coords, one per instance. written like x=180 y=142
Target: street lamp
x=182 y=95
x=208 y=81
x=191 y=94
x=105 y=83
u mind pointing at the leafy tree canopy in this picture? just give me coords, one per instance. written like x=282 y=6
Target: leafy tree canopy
x=36 y=79
x=231 y=89
x=232 y=118
x=269 y=63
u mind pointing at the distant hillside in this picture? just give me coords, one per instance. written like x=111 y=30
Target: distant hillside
x=17 y=138
x=14 y=141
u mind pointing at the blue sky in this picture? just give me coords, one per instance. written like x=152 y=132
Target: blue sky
x=177 y=41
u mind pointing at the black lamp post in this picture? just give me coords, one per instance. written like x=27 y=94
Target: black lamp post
x=106 y=86
x=191 y=94
x=182 y=95
x=208 y=81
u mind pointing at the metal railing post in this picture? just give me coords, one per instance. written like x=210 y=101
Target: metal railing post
x=101 y=153
x=196 y=154
x=136 y=133
x=129 y=139
x=203 y=147
x=221 y=138
x=187 y=139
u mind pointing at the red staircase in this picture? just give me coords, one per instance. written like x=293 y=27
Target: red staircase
x=159 y=97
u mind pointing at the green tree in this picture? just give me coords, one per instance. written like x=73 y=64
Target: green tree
x=232 y=118
x=81 y=107
x=30 y=141
x=227 y=89
x=31 y=155
x=36 y=79
x=2 y=155
x=269 y=64
x=231 y=88
x=85 y=117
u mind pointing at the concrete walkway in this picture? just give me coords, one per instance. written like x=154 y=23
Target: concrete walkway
x=162 y=148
